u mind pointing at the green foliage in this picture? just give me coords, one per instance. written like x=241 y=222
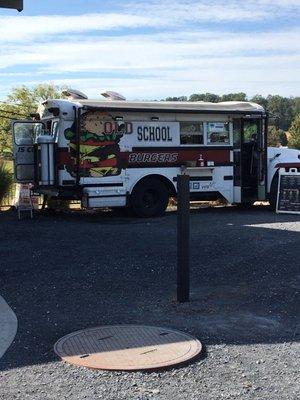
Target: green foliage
x=213 y=98
x=180 y=98
x=276 y=137
x=234 y=97
x=29 y=98
x=260 y=100
x=283 y=108
x=297 y=105
x=6 y=180
x=18 y=105
x=294 y=137
x=249 y=130
x=283 y=138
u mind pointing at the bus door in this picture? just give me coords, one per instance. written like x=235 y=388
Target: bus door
x=24 y=135
x=252 y=159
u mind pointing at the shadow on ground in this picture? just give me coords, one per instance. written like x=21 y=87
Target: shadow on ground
x=70 y=271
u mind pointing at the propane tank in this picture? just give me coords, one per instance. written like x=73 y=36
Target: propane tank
x=46 y=174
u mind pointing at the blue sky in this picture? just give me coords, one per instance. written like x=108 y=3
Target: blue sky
x=153 y=49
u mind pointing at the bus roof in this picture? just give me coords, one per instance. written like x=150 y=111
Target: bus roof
x=175 y=106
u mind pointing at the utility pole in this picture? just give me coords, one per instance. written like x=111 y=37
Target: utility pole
x=15 y=4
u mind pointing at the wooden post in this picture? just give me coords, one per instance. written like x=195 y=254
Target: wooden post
x=183 y=238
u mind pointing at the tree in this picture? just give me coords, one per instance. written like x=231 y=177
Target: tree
x=234 y=97
x=294 y=133
x=211 y=97
x=259 y=99
x=283 y=108
x=296 y=105
x=283 y=138
x=20 y=103
x=276 y=137
x=180 y=98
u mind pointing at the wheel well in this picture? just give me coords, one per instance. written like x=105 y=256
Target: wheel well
x=272 y=197
x=275 y=176
x=169 y=185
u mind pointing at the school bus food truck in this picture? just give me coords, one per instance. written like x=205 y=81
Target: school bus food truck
x=117 y=153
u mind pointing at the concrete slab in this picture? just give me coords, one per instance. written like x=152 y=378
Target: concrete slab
x=8 y=326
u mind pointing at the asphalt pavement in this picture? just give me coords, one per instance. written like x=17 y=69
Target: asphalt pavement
x=74 y=270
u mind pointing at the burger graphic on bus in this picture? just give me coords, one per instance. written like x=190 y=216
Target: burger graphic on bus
x=99 y=147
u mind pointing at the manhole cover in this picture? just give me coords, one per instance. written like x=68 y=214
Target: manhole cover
x=127 y=347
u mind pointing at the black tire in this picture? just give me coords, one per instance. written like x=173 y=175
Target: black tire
x=273 y=192
x=246 y=204
x=149 y=198
x=51 y=204
x=54 y=204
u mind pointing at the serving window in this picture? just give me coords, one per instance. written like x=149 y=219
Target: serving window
x=217 y=133
x=191 y=133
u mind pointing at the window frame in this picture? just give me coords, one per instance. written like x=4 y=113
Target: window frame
x=218 y=144
x=34 y=125
x=202 y=133
x=54 y=123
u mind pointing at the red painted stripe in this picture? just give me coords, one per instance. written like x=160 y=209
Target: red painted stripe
x=288 y=165
x=182 y=156
x=97 y=143
x=105 y=163
x=64 y=158
x=218 y=156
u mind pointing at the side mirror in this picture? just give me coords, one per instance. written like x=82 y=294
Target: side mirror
x=16 y=4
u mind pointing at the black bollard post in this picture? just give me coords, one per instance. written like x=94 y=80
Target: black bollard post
x=183 y=238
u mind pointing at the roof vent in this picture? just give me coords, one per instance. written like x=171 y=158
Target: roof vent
x=113 y=96
x=74 y=94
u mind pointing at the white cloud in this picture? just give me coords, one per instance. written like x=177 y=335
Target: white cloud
x=177 y=55
x=24 y=28
x=216 y=10
x=151 y=52
x=185 y=11
x=153 y=14
x=175 y=84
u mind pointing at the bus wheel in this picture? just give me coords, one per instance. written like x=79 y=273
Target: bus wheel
x=273 y=192
x=149 y=198
x=246 y=204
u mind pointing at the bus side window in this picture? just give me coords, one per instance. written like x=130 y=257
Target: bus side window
x=217 y=133
x=191 y=133
x=251 y=130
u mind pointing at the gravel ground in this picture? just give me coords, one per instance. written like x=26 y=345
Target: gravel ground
x=72 y=271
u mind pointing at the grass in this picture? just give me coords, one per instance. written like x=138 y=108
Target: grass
x=9 y=165
x=6 y=179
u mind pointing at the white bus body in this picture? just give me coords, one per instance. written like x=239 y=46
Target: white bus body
x=121 y=153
